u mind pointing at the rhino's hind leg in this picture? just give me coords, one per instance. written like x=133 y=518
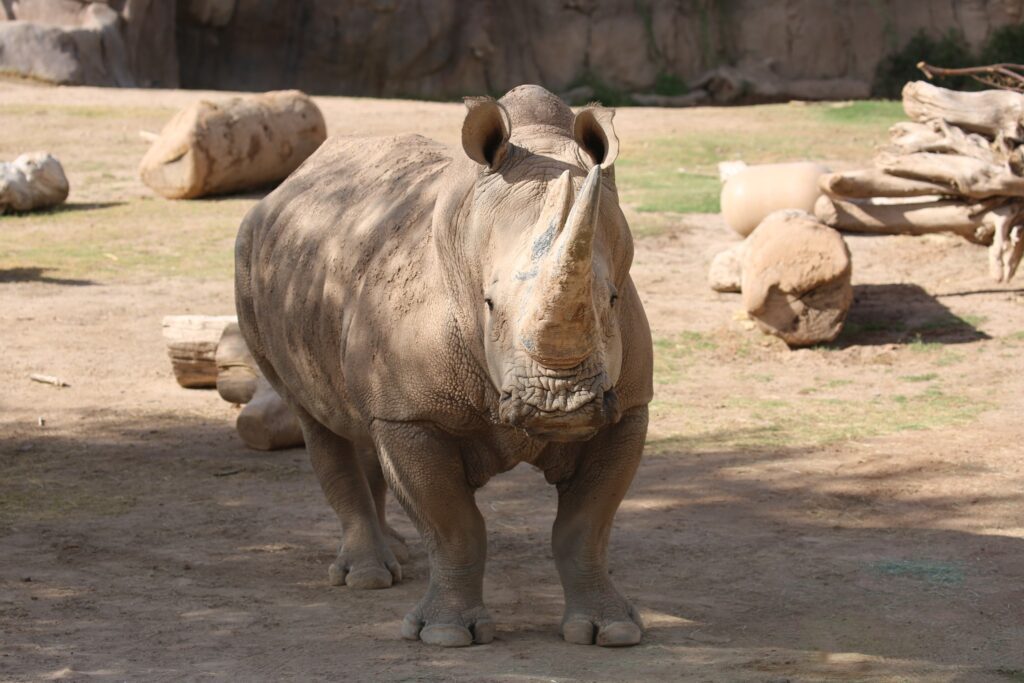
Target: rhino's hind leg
x=427 y=476
x=365 y=559
x=379 y=489
x=595 y=611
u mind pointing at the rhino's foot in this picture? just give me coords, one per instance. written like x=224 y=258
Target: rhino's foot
x=365 y=567
x=448 y=627
x=610 y=621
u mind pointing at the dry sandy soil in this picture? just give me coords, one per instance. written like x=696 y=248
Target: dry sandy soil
x=849 y=512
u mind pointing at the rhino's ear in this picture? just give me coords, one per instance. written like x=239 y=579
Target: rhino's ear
x=485 y=131
x=595 y=134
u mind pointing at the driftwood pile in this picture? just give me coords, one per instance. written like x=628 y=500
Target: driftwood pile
x=957 y=166
x=208 y=352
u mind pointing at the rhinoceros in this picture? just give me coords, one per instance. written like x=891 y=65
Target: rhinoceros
x=435 y=318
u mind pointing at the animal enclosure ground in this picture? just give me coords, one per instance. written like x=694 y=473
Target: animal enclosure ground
x=848 y=512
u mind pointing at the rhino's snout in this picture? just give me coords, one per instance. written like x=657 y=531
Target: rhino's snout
x=559 y=405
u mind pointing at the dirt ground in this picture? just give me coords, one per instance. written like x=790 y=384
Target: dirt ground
x=851 y=512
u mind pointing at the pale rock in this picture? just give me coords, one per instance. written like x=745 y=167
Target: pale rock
x=796 y=278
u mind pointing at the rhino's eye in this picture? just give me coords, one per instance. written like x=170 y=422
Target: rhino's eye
x=490 y=303
x=613 y=298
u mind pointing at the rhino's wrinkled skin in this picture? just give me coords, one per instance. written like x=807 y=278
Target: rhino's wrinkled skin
x=448 y=316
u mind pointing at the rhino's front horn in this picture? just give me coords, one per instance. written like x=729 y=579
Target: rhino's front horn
x=560 y=322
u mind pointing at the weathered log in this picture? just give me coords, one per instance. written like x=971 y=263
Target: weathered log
x=938 y=136
x=990 y=112
x=266 y=423
x=871 y=182
x=32 y=181
x=192 y=347
x=1007 y=242
x=757 y=191
x=960 y=175
x=969 y=220
x=796 y=278
x=230 y=145
x=237 y=373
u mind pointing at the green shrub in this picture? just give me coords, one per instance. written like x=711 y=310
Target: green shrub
x=950 y=51
x=669 y=85
x=1005 y=45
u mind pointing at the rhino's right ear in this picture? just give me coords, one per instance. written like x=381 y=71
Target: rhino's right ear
x=485 y=131
x=594 y=133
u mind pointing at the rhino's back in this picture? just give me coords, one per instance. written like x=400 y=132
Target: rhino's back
x=326 y=262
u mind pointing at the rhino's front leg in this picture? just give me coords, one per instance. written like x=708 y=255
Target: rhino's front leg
x=595 y=611
x=426 y=473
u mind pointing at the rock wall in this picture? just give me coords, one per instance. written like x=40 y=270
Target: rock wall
x=129 y=43
x=450 y=48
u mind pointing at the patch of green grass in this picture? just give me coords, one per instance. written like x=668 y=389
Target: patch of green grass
x=116 y=240
x=670 y=354
x=927 y=377
x=804 y=421
x=84 y=111
x=33 y=501
x=1015 y=675
x=676 y=193
x=680 y=173
x=923 y=570
x=974 y=320
x=863 y=113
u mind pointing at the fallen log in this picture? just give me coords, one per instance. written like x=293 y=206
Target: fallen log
x=871 y=182
x=1007 y=243
x=230 y=145
x=972 y=221
x=237 y=373
x=192 y=347
x=266 y=423
x=939 y=137
x=960 y=175
x=992 y=113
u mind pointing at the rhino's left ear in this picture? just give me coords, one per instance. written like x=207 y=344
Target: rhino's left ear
x=485 y=131
x=595 y=134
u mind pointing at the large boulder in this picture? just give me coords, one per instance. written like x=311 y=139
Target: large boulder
x=90 y=52
x=235 y=144
x=71 y=42
x=32 y=181
x=796 y=278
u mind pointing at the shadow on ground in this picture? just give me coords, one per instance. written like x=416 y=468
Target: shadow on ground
x=38 y=275
x=901 y=314
x=158 y=547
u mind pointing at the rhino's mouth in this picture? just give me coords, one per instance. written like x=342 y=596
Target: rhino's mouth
x=558 y=405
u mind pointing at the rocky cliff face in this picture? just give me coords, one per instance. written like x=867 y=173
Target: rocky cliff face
x=450 y=48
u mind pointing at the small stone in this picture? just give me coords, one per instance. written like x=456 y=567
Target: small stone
x=725 y=273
